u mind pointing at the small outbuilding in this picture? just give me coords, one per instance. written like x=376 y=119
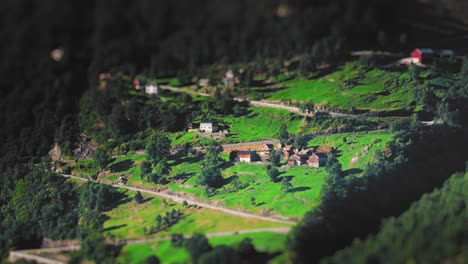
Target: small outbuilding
x=296 y=160
x=267 y=147
x=317 y=160
x=422 y=56
x=245 y=156
x=139 y=84
x=151 y=89
x=208 y=126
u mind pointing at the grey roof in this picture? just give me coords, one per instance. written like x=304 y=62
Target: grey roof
x=427 y=51
x=446 y=52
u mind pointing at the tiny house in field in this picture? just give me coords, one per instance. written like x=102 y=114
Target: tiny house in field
x=245 y=156
x=139 y=85
x=297 y=160
x=208 y=126
x=151 y=89
x=317 y=160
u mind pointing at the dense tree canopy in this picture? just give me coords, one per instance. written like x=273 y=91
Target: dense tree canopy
x=432 y=230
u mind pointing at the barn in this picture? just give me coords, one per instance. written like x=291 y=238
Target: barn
x=245 y=156
x=422 y=56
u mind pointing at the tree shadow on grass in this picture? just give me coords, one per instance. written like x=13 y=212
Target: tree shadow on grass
x=226 y=165
x=288 y=177
x=263 y=257
x=118 y=198
x=188 y=159
x=184 y=176
x=352 y=171
x=123 y=165
x=147 y=200
x=299 y=189
x=114 y=227
x=227 y=180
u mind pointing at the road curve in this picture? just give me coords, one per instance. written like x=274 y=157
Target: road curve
x=191 y=202
x=267 y=104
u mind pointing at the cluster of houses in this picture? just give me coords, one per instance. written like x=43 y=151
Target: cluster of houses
x=229 y=79
x=313 y=157
x=148 y=88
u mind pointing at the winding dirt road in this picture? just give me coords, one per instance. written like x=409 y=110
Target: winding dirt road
x=191 y=202
x=291 y=109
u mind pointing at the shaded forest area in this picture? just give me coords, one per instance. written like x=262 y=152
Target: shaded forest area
x=163 y=38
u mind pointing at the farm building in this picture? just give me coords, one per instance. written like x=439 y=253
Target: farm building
x=317 y=160
x=203 y=82
x=208 y=126
x=267 y=147
x=422 y=56
x=139 y=85
x=287 y=151
x=245 y=156
x=297 y=160
x=230 y=79
x=151 y=89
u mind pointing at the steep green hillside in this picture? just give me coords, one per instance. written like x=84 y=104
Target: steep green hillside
x=433 y=230
x=353 y=86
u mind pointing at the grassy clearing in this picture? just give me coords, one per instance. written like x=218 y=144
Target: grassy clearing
x=353 y=86
x=360 y=146
x=260 y=194
x=265 y=242
x=128 y=219
x=85 y=168
x=261 y=123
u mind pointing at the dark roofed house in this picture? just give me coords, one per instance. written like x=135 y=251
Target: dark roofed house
x=317 y=160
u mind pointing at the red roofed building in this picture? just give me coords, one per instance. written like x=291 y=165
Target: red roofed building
x=245 y=156
x=422 y=56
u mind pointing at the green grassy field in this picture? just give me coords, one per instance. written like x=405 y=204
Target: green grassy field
x=373 y=89
x=261 y=123
x=128 y=219
x=360 y=146
x=254 y=191
x=260 y=194
x=265 y=242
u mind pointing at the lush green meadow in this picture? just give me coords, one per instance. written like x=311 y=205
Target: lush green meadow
x=261 y=123
x=353 y=86
x=129 y=219
x=258 y=194
x=355 y=150
x=248 y=187
x=265 y=242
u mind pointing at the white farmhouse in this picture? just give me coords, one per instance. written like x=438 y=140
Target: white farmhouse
x=208 y=126
x=151 y=89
